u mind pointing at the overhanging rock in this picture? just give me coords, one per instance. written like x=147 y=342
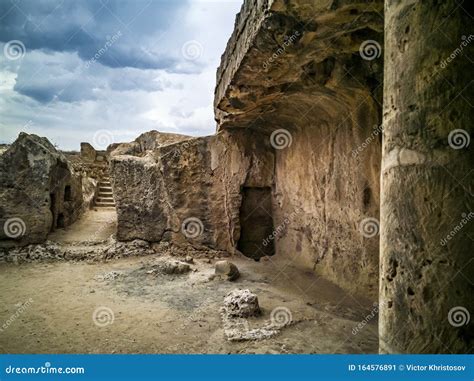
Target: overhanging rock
x=307 y=75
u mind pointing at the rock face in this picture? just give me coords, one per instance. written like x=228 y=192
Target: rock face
x=294 y=168
x=299 y=74
x=189 y=190
x=427 y=183
x=39 y=191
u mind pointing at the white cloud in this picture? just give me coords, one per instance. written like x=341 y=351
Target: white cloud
x=50 y=94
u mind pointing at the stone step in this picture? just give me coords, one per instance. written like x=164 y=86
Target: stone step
x=105 y=204
x=105 y=198
x=105 y=194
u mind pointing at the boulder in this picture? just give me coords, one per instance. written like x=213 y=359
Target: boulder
x=226 y=270
x=241 y=303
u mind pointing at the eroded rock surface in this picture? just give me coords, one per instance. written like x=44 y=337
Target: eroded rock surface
x=427 y=184
x=295 y=72
x=241 y=303
x=39 y=191
x=188 y=191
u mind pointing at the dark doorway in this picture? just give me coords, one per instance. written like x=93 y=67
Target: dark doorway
x=67 y=193
x=256 y=223
x=60 y=223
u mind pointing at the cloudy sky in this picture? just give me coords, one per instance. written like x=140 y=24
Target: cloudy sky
x=105 y=71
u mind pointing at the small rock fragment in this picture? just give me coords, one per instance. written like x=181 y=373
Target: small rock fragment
x=226 y=270
x=176 y=268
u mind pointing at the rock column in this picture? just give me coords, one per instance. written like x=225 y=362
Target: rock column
x=427 y=203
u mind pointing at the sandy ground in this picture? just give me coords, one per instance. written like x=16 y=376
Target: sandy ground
x=49 y=307
x=171 y=313
x=94 y=225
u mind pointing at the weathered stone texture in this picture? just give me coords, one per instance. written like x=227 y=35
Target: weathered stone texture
x=296 y=66
x=188 y=190
x=427 y=182
x=88 y=153
x=39 y=191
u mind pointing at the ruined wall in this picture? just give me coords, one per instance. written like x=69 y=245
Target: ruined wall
x=39 y=191
x=300 y=73
x=427 y=199
x=187 y=191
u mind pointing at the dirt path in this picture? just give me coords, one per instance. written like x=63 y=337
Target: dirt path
x=94 y=225
x=49 y=308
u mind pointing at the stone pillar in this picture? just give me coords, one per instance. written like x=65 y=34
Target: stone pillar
x=427 y=190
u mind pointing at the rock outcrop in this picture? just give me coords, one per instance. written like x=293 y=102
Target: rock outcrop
x=39 y=191
x=189 y=190
x=299 y=73
x=294 y=168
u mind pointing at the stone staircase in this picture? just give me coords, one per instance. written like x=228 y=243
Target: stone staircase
x=105 y=197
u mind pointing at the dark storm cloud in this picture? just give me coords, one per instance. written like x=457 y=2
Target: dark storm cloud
x=119 y=65
x=63 y=77
x=85 y=26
